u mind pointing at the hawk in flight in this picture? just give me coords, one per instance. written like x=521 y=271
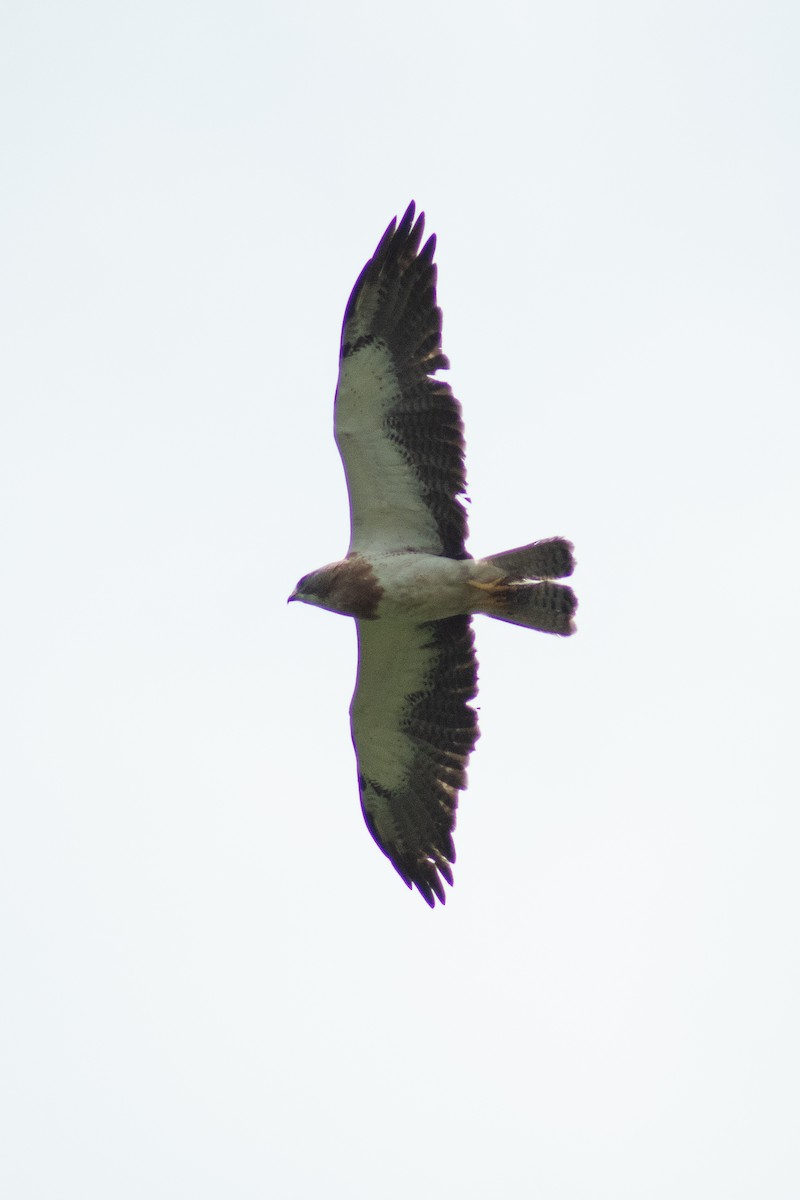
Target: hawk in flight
x=408 y=579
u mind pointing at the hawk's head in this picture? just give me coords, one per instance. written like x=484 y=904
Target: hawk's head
x=347 y=587
x=312 y=588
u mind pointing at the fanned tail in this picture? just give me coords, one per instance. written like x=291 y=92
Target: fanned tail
x=524 y=593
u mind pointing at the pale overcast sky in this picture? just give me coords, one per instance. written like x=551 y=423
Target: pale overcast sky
x=214 y=983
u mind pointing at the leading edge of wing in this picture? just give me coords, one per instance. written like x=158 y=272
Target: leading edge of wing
x=413 y=732
x=398 y=428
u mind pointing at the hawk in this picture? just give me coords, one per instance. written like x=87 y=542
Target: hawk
x=408 y=579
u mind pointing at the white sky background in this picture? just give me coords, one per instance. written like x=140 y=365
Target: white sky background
x=215 y=985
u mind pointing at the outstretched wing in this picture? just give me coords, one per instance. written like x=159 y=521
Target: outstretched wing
x=399 y=429
x=413 y=732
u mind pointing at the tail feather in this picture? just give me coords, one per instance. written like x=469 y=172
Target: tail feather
x=550 y=558
x=546 y=606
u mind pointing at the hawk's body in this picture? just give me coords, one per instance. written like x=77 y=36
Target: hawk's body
x=408 y=578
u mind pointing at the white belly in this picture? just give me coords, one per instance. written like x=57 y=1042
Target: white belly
x=423 y=587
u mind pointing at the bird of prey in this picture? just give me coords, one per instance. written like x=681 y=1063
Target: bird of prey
x=408 y=579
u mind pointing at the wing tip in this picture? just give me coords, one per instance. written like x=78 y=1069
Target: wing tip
x=428 y=875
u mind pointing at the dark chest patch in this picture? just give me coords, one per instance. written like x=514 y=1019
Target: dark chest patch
x=353 y=588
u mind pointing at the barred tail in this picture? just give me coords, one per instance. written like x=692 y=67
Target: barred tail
x=549 y=559
x=547 y=606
